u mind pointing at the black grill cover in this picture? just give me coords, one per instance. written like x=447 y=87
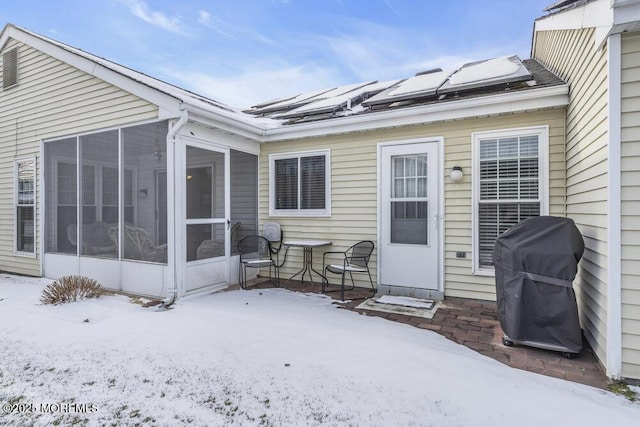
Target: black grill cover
x=535 y=264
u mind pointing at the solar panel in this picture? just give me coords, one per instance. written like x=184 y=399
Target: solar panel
x=273 y=101
x=288 y=103
x=339 y=102
x=419 y=86
x=491 y=72
x=559 y=4
x=489 y=76
x=340 y=90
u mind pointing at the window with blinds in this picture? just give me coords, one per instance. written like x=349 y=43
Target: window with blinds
x=25 y=205
x=508 y=188
x=300 y=184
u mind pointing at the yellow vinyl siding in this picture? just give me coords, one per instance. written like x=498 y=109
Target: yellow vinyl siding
x=574 y=57
x=51 y=99
x=630 y=165
x=354 y=191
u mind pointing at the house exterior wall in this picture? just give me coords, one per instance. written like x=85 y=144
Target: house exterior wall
x=51 y=99
x=574 y=56
x=354 y=191
x=630 y=193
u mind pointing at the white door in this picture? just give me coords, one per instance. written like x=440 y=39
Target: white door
x=206 y=209
x=409 y=236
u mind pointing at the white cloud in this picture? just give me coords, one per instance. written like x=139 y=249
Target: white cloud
x=231 y=30
x=206 y=20
x=140 y=9
x=204 y=17
x=375 y=52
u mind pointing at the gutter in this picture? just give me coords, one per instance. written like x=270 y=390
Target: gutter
x=271 y=130
x=517 y=101
x=172 y=293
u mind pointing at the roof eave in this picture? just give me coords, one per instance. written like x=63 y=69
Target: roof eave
x=168 y=106
x=504 y=103
x=246 y=127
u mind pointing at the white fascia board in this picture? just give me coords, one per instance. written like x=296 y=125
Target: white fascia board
x=512 y=102
x=226 y=122
x=598 y=14
x=169 y=106
x=594 y=14
x=626 y=13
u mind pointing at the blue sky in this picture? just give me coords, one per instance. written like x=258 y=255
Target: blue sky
x=242 y=52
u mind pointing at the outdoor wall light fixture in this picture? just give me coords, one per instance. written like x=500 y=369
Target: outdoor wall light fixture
x=456 y=174
x=142 y=193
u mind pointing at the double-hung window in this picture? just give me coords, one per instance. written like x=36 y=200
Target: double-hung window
x=510 y=185
x=25 y=199
x=300 y=184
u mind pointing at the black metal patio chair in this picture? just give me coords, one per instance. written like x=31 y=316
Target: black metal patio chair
x=354 y=260
x=255 y=252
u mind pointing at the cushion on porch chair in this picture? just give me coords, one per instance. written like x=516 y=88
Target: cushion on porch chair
x=354 y=260
x=208 y=249
x=211 y=248
x=95 y=238
x=138 y=245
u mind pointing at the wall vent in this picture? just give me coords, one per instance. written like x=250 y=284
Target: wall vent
x=10 y=68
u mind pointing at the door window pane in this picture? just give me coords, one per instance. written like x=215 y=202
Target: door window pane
x=409 y=223
x=409 y=200
x=205 y=183
x=205 y=241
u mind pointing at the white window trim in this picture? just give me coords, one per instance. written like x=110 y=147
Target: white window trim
x=326 y=212
x=543 y=167
x=16 y=189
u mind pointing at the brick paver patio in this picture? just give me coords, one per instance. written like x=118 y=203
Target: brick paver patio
x=475 y=324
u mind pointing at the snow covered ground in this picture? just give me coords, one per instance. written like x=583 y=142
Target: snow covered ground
x=261 y=357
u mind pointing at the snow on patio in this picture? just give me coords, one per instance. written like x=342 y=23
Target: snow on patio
x=261 y=357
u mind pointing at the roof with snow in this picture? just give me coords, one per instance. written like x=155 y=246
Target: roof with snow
x=507 y=74
x=475 y=79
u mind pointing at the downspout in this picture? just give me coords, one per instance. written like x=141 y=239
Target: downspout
x=172 y=293
x=614 y=239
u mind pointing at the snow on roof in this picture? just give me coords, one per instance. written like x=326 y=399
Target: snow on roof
x=421 y=83
x=361 y=90
x=286 y=102
x=475 y=79
x=486 y=70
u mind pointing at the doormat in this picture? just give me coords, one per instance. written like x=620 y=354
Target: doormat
x=401 y=305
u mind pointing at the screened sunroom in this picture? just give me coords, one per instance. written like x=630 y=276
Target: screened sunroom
x=145 y=214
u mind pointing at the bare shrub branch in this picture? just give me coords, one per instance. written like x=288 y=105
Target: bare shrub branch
x=71 y=288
